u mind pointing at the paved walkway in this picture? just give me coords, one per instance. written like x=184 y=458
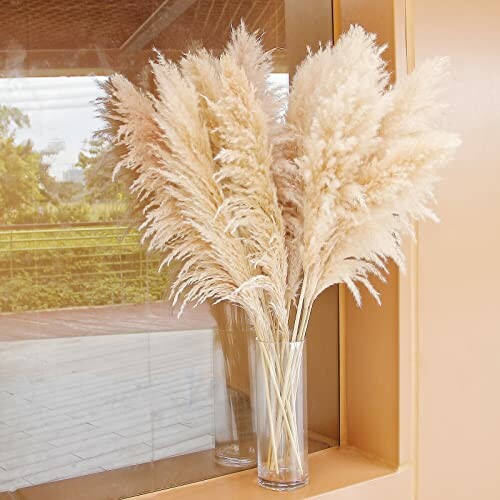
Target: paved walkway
x=83 y=404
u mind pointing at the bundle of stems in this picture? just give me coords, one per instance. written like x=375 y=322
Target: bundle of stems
x=265 y=212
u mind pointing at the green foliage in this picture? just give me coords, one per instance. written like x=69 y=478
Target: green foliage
x=30 y=195
x=20 y=178
x=71 y=212
x=60 y=268
x=66 y=191
x=11 y=119
x=47 y=269
x=25 y=182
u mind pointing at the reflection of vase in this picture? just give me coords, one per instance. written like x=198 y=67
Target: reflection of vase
x=279 y=375
x=234 y=430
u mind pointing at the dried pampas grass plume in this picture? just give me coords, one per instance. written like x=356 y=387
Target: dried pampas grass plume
x=369 y=157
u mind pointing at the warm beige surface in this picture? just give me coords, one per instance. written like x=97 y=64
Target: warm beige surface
x=306 y=24
x=372 y=356
x=408 y=280
x=330 y=470
x=459 y=273
x=376 y=17
x=322 y=366
x=372 y=373
x=396 y=486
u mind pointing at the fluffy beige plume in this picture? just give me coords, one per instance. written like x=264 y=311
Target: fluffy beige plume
x=234 y=86
x=130 y=128
x=289 y=189
x=368 y=156
x=244 y=175
x=247 y=51
x=187 y=225
x=334 y=111
x=201 y=69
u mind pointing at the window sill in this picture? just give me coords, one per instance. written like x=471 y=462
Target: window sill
x=330 y=469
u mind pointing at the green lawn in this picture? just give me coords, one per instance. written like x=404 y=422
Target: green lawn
x=46 y=268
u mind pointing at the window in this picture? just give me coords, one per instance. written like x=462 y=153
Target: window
x=99 y=380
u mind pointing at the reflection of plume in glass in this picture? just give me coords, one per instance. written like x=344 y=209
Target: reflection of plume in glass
x=14 y=59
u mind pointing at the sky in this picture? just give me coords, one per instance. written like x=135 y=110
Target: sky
x=62 y=111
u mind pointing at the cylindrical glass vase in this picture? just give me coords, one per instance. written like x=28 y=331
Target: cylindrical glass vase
x=235 y=440
x=281 y=414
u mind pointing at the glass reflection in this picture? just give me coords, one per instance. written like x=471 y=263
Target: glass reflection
x=97 y=373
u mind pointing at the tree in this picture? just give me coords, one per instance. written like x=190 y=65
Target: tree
x=10 y=120
x=67 y=191
x=20 y=172
x=98 y=163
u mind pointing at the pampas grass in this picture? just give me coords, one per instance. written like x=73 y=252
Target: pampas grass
x=267 y=214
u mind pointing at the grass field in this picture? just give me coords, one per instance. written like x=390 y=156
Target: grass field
x=55 y=267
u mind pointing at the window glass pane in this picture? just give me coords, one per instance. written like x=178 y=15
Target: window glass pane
x=99 y=379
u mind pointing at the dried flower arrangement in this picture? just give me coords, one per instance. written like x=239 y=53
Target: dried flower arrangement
x=266 y=213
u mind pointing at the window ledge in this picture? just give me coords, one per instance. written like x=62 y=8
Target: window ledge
x=330 y=469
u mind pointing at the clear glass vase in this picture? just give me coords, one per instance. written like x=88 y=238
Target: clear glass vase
x=281 y=414
x=235 y=439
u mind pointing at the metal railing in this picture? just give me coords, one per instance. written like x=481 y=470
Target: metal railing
x=72 y=258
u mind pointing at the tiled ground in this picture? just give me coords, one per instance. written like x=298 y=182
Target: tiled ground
x=74 y=406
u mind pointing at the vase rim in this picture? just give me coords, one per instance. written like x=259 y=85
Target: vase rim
x=298 y=342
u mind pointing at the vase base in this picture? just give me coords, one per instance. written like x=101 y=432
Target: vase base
x=235 y=462
x=231 y=456
x=282 y=486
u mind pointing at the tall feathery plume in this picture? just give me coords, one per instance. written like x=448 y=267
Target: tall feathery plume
x=187 y=225
x=233 y=106
x=356 y=157
x=130 y=127
x=247 y=51
x=334 y=110
x=166 y=145
x=244 y=175
x=397 y=180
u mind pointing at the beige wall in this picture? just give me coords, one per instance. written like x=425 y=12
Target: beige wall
x=458 y=268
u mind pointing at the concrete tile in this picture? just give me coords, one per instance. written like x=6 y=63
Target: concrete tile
x=81 y=405
x=14 y=484
x=190 y=446
x=68 y=471
x=106 y=444
x=25 y=470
